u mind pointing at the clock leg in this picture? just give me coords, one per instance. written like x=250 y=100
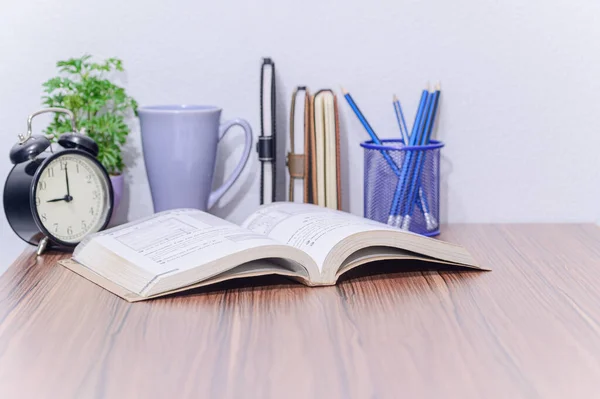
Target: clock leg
x=42 y=246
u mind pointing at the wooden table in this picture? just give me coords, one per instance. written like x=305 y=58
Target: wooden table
x=529 y=329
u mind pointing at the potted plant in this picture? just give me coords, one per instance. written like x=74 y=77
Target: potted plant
x=101 y=109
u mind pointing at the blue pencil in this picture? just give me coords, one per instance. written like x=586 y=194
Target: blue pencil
x=420 y=158
x=430 y=221
x=401 y=121
x=405 y=172
x=370 y=130
x=412 y=155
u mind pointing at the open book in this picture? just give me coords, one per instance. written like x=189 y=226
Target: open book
x=183 y=249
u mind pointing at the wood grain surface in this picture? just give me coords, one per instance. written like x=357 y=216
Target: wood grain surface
x=529 y=329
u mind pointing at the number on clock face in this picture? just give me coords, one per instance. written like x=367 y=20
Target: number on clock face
x=72 y=197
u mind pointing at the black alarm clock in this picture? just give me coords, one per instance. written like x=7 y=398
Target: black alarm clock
x=54 y=198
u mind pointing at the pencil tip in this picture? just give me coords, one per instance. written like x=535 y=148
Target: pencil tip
x=438 y=86
x=343 y=90
x=395 y=98
x=427 y=86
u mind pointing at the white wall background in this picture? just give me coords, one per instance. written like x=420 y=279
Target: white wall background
x=520 y=112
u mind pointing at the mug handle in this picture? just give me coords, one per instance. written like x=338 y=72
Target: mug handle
x=223 y=129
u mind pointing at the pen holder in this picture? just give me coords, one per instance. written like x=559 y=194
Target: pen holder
x=417 y=208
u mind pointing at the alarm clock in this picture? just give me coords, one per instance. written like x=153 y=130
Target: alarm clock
x=54 y=198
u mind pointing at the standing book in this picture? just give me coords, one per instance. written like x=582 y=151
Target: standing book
x=326 y=153
x=182 y=249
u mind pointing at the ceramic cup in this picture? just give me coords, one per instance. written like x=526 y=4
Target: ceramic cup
x=180 y=148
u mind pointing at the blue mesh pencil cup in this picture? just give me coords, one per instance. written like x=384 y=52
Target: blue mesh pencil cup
x=402 y=185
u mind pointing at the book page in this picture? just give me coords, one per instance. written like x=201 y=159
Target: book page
x=330 y=153
x=312 y=229
x=320 y=149
x=176 y=241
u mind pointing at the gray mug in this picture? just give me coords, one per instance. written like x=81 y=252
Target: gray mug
x=180 y=149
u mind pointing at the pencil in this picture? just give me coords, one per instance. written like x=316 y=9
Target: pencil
x=360 y=116
x=370 y=130
x=420 y=158
x=421 y=199
x=405 y=172
x=401 y=121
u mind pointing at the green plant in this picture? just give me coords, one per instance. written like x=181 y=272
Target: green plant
x=100 y=106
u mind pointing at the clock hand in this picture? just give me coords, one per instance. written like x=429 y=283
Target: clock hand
x=65 y=198
x=68 y=197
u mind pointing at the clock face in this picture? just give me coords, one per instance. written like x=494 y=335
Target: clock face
x=72 y=197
